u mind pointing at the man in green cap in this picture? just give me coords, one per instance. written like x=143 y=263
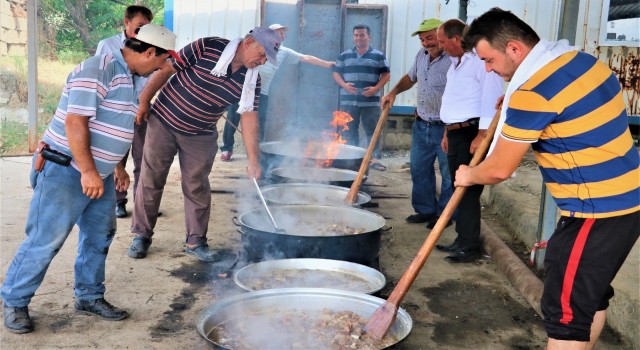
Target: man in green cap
x=430 y=72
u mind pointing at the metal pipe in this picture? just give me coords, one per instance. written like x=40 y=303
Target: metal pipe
x=32 y=64
x=519 y=275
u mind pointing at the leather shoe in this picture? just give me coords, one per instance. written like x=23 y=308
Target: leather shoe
x=432 y=223
x=448 y=248
x=100 y=308
x=17 y=319
x=419 y=218
x=139 y=247
x=203 y=252
x=463 y=256
x=121 y=210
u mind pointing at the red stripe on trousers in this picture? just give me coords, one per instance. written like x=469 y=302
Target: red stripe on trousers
x=572 y=267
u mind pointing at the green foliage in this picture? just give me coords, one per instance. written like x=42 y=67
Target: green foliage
x=104 y=18
x=69 y=56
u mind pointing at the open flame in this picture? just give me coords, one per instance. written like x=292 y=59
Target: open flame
x=326 y=151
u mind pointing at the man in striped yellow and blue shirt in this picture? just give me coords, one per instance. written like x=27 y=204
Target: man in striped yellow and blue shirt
x=568 y=106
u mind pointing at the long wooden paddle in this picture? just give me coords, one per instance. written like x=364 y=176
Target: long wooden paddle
x=355 y=186
x=385 y=315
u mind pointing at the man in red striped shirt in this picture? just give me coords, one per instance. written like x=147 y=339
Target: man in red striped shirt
x=212 y=74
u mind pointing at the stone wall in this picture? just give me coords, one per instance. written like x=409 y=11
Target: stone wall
x=13 y=27
x=397 y=133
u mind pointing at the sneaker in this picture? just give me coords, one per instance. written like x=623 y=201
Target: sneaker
x=226 y=155
x=203 y=252
x=139 y=247
x=121 y=210
x=17 y=319
x=100 y=308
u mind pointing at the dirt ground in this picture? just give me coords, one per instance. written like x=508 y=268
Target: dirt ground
x=468 y=306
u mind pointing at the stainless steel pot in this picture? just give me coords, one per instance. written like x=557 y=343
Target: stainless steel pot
x=303 y=193
x=348 y=276
x=305 y=226
x=299 y=174
x=309 y=300
x=282 y=153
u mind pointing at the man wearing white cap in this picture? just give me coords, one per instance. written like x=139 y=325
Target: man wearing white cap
x=267 y=72
x=73 y=176
x=214 y=73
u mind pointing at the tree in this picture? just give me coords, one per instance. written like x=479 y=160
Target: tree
x=79 y=24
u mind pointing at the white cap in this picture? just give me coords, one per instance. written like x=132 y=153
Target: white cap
x=276 y=26
x=159 y=36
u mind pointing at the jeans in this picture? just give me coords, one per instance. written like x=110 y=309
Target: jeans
x=56 y=206
x=369 y=117
x=425 y=148
x=228 y=138
x=228 y=134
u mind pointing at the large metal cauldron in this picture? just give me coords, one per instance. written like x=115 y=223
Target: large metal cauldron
x=278 y=301
x=310 y=273
x=305 y=226
x=281 y=153
x=300 y=174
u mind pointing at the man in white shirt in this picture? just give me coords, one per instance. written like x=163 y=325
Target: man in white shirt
x=267 y=72
x=468 y=105
x=135 y=16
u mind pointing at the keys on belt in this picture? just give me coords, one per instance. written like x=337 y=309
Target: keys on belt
x=455 y=126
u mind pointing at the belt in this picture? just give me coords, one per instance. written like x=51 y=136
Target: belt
x=430 y=122
x=454 y=126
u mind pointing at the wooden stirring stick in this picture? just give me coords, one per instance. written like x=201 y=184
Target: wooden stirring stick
x=355 y=186
x=385 y=315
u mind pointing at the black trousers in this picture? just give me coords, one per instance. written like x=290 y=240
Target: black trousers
x=468 y=222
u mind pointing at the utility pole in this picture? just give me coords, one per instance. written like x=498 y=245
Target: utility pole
x=462 y=10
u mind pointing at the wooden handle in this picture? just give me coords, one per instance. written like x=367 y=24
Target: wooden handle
x=355 y=186
x=414 y=268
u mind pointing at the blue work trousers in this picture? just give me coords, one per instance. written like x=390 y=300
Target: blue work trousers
x=426 y=142
x=56 y=206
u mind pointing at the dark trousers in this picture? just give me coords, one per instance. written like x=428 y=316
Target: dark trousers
x=369 y=117
x=139 y=134
x=468 y=221
x=195 y=155
x=228 y=134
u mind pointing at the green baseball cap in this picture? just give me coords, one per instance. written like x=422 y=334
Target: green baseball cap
x=427 y=25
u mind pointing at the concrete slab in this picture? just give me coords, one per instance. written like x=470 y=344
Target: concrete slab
x=452 y=306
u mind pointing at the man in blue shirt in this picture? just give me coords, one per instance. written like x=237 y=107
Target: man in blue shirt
x=361 y=73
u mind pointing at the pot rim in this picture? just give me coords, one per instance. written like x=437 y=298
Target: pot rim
x=402 y=325
x=361 y=199
x=298 y=207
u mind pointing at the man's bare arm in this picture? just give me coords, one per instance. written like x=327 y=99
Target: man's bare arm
x=77 y=129
x=497 y=167
x=156 y=81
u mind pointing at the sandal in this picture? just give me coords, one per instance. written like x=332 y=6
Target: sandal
x=377 y=166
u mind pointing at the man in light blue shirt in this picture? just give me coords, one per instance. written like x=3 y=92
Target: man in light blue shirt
x=135 y=16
